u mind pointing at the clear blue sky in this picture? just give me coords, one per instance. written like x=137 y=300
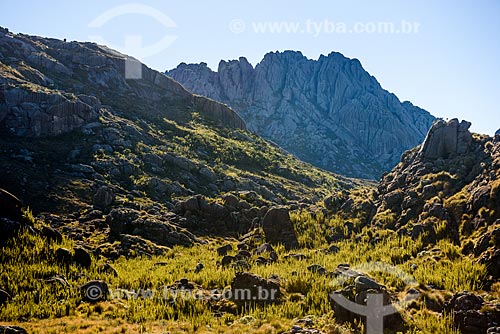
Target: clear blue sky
x=450 y=66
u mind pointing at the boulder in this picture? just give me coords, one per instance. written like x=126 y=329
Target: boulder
x=223 y=250
x=10 y=206
x=103 y=198
x=278 y=228
x=247 y=287
x=63 y=256
x=52 y=234
x=4 y=296
x=82 y=257
x=8 y=229
x=12 y=330
x=447 y=138
x=94 y=291
x=471 y=314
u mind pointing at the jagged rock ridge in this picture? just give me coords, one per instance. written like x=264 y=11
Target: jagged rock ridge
x=329 y=112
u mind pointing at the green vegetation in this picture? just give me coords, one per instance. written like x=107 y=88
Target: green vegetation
x=28 y=261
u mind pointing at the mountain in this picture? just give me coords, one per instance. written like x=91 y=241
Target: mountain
x=498 y=132
x=75 y=129
x=329 y=112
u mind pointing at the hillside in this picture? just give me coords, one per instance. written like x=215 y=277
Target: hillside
x=329 y=112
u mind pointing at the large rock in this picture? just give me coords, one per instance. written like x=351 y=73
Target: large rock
x=10 y=206
x=447 y=138
x=321 y=110
x=247 y=287
x=103 y=198
x=497 y=133
x=278 y=228
x=161 y=232
x=12 y=330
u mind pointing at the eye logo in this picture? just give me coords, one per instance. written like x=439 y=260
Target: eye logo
x=133 y=43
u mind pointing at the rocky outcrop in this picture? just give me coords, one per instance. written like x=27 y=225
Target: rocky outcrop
x=447 y=138
x=497 y=133
x=321 y=110
x=451 y=181
x=40 y=113
x=161 y=232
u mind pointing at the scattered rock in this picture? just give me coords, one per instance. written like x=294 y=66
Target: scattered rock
x=12 y=330
x=8 y=229
x=317 y=269
x=10 y=206
x=52 y=234
x=64 y=256
x=4 y=297
x=278 y=228
x=82 y=257
x=227 y=260
x=248 y=287
x=223 y=250
x=103 y=198
x=363 y=283
x=95 y=291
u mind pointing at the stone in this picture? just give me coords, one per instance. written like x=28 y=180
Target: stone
x=447 y=138
x=82 y=257
x=10 y=206
x=317 y=269
x=12 y=330
x=231 y=200
x=223 y=250
x=94 y=291
x=8 y=229
x=52 y=234
x=103 y=198
x=227 y=260
x=43 y=113
x=247 y=287
x=4 y=297
x=278 y=228
x=160 y=231
x=63 y=256
x=363 y=283
x=264 y=248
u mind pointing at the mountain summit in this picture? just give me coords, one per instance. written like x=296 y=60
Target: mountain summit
x=329 y=112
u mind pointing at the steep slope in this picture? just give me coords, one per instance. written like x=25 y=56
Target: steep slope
x=449 y=188
x=329 y=112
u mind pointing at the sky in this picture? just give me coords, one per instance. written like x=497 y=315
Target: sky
x=442 y=56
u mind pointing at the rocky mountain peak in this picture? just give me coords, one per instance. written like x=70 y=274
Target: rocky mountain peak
x=498 y=132
x=329 y=112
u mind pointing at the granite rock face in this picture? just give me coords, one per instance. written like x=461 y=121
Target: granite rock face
x=321 y=110
x=446 y=138
x=42 y=80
